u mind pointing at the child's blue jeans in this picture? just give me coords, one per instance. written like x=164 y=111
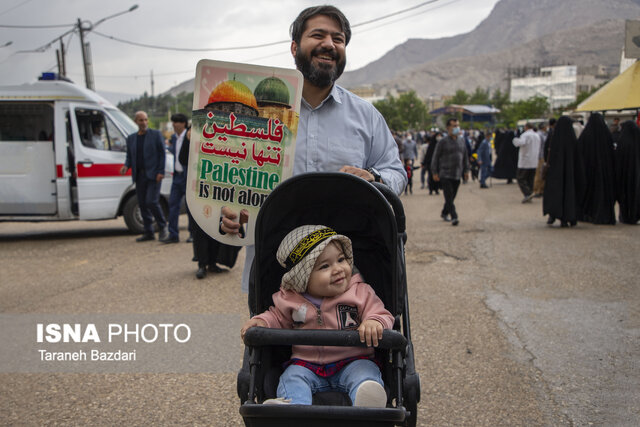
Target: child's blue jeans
x=299 y=383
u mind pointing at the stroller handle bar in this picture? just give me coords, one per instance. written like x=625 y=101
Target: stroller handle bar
x=259 y=336
x=396 y=205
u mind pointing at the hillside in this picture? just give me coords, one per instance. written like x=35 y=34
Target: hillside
x=583 y=47
x=516 y=33
x=511 y=23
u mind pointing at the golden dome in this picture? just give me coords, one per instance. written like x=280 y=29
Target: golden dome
x=233 y=91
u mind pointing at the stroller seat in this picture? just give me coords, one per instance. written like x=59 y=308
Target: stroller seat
x=372 y=216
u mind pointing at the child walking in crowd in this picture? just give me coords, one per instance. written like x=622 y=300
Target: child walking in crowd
x=318 y=291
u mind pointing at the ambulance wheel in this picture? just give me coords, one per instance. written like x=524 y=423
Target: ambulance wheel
x=133 y=218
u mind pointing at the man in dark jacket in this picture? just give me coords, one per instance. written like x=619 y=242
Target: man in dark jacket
x=450 y=162
x=146 y=159
x=179 y=183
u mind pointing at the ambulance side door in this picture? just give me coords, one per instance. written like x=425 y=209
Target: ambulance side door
x=27 y=159
x=100 y=152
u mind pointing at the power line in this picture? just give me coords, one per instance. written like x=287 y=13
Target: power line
x=408 y=17
x=180 y=49
x=219 y=49
x=72 y=31
x=394 y=13
x=14 y=7
x=37 y=26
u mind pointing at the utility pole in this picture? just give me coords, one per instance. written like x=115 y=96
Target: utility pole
x=153 y=100
x=86 y=58
x=60 y=56
x=86 y=48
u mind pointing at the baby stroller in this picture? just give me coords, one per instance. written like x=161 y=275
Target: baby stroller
x=373 y=217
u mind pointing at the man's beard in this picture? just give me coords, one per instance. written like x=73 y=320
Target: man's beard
x=323 y=75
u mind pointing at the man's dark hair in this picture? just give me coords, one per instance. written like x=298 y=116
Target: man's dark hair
x=298 y=26
x=451 y=120
x=552 y=121
x=180 y=118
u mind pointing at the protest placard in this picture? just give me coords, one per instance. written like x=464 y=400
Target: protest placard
x=244 y=124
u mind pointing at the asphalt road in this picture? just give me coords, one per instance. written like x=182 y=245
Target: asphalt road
x=513 y=322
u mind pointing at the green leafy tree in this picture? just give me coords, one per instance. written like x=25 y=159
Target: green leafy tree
x=407 y=111
x=480 y=97
x=536 y=106
x=158 y=107
x=460 y=98
x=387 y=107
x=499 y=99
x=413 y=110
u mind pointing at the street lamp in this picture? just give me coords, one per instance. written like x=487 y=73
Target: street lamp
x=86 y=53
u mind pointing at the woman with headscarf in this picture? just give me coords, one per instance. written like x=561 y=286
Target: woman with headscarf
x=596 y=147
x=506 y=164
x=434 y=186
x=565 y=180
x=628 y=173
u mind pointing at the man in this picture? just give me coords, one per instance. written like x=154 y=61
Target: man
x=146 y=159
x=338 y=131
x=529 y=143
x=96 y=135
x=179 y=183
x=450 y=162
x=484 y=158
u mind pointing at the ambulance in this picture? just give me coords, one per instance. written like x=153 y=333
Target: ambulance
x=61 y=150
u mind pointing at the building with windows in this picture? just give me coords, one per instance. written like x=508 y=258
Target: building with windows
x=560 y=85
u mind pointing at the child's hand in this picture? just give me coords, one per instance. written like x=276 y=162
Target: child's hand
x=370 y=331
x=250 y=324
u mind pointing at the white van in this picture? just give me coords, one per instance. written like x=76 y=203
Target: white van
x=61 y=150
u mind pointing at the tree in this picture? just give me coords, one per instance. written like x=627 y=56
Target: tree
x=460 y=98
x=480 y=97
x=405 y=112
x=536 y=106
x=387 y=107
x=159 y=107
x=499 y=99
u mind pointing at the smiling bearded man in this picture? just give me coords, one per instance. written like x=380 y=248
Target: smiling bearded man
x=337 y=131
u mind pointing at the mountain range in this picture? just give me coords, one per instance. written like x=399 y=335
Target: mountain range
x=517 y=33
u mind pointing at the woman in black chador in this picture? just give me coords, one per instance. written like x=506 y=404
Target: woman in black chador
x=565 y=181
x=506 y=164
x=628 y=173
x=596 y=147
x=434 y=186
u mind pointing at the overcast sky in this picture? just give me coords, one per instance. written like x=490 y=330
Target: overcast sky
x=203 y=24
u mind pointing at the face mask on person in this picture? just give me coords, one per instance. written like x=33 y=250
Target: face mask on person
x=455 y=130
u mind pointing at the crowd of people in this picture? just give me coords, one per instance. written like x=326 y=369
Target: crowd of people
x=579 y=170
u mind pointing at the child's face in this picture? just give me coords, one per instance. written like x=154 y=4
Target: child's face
x=331 y=273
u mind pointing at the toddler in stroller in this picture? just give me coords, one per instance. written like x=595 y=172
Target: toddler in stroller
x=319 y=291
x=373 y=218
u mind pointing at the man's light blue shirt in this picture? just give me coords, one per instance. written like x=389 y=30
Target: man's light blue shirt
x=345 y=130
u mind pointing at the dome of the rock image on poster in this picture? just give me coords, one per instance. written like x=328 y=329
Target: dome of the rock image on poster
x=272 y=91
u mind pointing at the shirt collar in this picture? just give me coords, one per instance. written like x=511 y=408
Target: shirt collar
x=336 y=94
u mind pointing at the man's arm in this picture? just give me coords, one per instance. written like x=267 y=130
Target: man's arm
x=384 y=155
x=127 y=160
x=523 y=140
